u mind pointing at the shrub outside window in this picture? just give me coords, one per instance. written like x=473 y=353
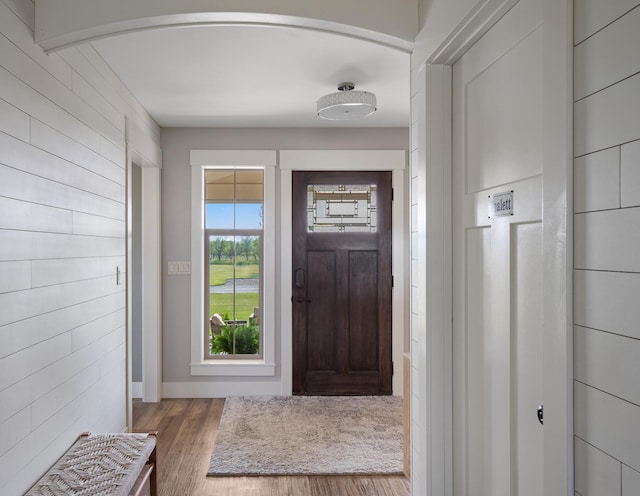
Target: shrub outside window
x=234 y=210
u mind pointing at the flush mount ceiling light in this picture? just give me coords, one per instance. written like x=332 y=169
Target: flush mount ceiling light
x=346 y=104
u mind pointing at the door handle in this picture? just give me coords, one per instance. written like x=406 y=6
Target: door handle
x=300 y=299
x=299 y=278
x=541 y=414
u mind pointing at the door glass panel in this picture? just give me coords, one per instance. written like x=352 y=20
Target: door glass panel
x=341 y=208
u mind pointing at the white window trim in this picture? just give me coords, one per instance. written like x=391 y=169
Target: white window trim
x=236 y=159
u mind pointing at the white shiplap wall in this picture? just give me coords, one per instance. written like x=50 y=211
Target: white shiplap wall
x=607 y=243
x=62 y=235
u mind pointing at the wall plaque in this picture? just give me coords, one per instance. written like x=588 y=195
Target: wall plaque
x=501 y=204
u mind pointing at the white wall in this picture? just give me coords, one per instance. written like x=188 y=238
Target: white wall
x=607 y=243
x=176 y=235
x=62 y=235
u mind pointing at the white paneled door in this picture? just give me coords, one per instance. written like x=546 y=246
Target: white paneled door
x=497 y=228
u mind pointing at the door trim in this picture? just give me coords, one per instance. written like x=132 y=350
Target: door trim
x=431 y=382
x=557 y=241
x=431 y=286
x=151 y=269
x=395 y=161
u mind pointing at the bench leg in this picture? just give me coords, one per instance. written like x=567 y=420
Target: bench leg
x=153 y=481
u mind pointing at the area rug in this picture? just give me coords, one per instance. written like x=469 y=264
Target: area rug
x=309 y=435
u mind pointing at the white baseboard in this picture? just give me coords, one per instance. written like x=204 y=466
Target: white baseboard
x=224 y=389
x=219 y=389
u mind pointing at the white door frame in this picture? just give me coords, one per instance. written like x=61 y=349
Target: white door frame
x=129 y=290
x=151 y=270
x=343 y=160
x=151 y=286
x=431 y=383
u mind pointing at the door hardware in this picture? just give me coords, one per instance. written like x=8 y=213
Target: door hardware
x=541 y=414
x=300 y=299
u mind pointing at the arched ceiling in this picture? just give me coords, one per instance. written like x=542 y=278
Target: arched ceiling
x=255 y=76
x=234 y=71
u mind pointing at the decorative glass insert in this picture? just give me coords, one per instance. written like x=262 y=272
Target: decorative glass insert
x=341 y=208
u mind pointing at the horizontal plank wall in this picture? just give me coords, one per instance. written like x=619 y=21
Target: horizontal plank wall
x=607 y=242
x=62 y=240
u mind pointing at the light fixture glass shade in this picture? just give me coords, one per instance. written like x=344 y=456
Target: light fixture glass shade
x=345 y=105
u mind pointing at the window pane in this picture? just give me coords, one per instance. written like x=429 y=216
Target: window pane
x=249 y=216
x=234 y=294
x=219 y=216
x=249 y=186
x=234 y=199
x=220 y=185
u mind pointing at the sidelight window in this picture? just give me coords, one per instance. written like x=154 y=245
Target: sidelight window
x=234 y=213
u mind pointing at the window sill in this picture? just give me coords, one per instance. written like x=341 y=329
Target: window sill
x=238 y=368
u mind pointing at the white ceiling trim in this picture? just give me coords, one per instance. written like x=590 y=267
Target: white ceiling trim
x=470 y=29
x=53 y=33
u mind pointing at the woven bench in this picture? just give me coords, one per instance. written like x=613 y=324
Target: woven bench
x=103 y=465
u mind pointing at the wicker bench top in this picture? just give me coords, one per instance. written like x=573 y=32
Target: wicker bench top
x=97 y=465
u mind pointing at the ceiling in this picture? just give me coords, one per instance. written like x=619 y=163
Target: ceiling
x=255 y=76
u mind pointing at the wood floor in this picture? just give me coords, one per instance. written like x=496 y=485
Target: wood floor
x=187 y=430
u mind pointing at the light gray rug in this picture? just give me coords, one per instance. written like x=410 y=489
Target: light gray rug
x=309 y=435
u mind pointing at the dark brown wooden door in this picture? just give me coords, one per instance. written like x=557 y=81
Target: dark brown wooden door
x=341 y=291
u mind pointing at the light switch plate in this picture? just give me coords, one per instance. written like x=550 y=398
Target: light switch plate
x=179 y=268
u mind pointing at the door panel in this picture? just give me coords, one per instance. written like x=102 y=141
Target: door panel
x=501 y=149
x=527 y=352
x=478 y=251
x=342 y=313
x=363 y=347
x=321 y=273
x=497 y=148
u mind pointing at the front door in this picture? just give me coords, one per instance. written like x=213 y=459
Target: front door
x=341 y=283
x=498 y=260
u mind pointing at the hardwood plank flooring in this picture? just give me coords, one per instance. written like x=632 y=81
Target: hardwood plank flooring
x=186 y=433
